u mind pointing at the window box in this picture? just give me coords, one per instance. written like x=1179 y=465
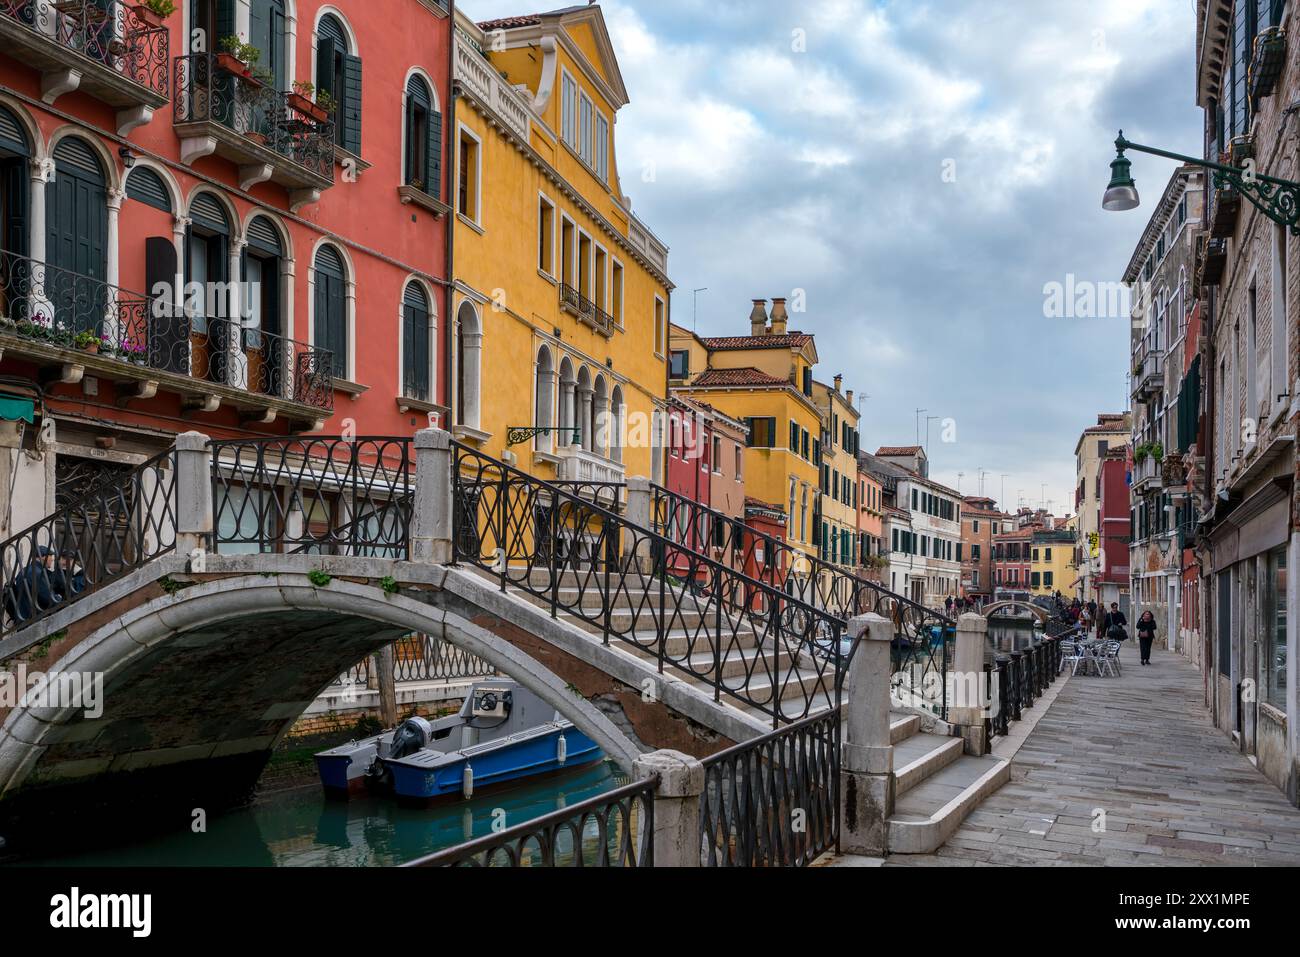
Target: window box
x=308 y=107
x=236 y=67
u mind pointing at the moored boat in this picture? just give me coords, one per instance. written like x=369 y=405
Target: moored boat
x=503 y=732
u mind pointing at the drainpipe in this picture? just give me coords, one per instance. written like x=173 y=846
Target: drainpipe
x=451 y=216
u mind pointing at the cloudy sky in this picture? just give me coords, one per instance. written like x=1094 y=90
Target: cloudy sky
x=921 y=170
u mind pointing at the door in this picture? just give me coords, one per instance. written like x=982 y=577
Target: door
x=76 y=211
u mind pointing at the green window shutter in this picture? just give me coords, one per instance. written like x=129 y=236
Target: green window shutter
x=434 y=162
x=326 y=81
x=225 y=23
x=350 y=104
x=144 y=185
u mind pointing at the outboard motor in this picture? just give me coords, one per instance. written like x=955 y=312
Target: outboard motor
x=411 y=735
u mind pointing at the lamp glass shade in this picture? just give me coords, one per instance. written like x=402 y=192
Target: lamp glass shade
x=1122 y=192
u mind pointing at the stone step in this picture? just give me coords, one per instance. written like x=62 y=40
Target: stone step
x=928 y=814
x=921 y=756
x=903 y=726
x=736 y=662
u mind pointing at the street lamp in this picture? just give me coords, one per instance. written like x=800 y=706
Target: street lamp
x=1278 y=199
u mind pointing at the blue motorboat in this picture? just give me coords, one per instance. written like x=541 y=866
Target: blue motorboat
x=502 y=733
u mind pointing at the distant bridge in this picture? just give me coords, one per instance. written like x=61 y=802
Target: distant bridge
x=1011 y=604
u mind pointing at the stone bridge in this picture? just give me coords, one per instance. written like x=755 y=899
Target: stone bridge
x=1009 y=605
x=207 y=660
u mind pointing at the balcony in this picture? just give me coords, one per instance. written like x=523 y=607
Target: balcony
x=1225 y=204
x=251 y=124
x=1149 y=376
x=1213 y=259
x=72 y=327
x=579 y=465
x=100 y=47
x=1147 y=475
x=586 y=311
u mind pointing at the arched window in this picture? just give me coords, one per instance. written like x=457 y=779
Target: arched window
x=618 y=415
x=469 y=344
x=416 y=334
x=146 y=186
x=330 y=311
x=599 y=424
x=263 y=310
x=543 y=397
x=76 y=214
x=583 y=418
x=207 y=270
x=568 y=403
x=422 y=163
x=338 y=73
x=14 y=184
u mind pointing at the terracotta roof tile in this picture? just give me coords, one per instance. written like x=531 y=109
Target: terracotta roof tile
x=737 y=377
x=509 y=23
x=898 y=450
x=791 y=340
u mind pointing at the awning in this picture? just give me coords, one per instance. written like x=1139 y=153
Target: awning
x=14 y=409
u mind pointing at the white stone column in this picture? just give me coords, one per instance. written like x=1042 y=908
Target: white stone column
x=112 y=266
x=867 y=781
x=584 y=418
x=288 y=358
x=236 y=362
x=430 y=535
x=193 y=495
x=677 y=797
x=180 y=226
x=969 y=689
x=472 y=357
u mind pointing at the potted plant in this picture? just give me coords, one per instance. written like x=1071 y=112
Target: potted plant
x=152 y=13
x=1157 y=451
x=237 y=57
x=1140 y=454
x=87 y=342
x=301 y=100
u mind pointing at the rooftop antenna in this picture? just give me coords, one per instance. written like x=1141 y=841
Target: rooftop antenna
x=695 y=305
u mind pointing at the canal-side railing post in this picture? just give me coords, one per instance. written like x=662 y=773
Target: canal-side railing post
x=966 y=712
x=195 y=476
x=676 y=834
x=431 y=510
x=867 y=781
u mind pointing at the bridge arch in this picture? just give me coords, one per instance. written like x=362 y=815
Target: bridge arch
x=1038 y=612
x=200 y=685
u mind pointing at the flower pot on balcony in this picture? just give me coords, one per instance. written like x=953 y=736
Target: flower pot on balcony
x=148 y=19
x=308 y=107
x=256 y=137
x=235 y=66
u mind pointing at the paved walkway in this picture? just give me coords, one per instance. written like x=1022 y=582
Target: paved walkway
x=1141 y=749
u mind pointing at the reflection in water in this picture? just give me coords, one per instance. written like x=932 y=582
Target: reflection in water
x=1006 y=636
x=301 y=828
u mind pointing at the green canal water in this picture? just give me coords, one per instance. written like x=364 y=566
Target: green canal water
x=300 y=827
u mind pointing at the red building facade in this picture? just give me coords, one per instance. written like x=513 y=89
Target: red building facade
x=247 y=244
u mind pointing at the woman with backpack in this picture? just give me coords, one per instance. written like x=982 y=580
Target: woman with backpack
x=1146 y=629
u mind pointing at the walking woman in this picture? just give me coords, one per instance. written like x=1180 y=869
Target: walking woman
x=1146 y=629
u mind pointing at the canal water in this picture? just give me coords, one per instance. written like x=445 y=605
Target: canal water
x=1006 y=635
x=300 y=827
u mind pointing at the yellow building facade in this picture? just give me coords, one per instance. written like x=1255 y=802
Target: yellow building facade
x=839 y=472
x=764 y=379
x=1052 y=562
x=562 y=295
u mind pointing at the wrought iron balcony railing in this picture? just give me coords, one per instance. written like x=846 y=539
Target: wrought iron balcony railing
x=252 y=122
x=97 y=38
x=58 y=309
x=587 y=311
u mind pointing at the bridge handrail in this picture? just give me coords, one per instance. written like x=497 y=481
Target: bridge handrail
x=915 y=661
x=117 y=526
x=805 y=635
x=623 y=841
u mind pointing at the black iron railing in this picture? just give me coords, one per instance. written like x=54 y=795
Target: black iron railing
x=614 y=829
x=53 y=306
x=608 y=495
x=115 y=528
x=253 y=108
x=421 y=658
x=742 y=637
x=773 y=801
x=586 y=310
x=110 y=33
x=1016 y=680
x=922 y=648
x=315 y=495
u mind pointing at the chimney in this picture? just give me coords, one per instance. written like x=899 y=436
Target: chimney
x=839 y=381
x=779 y=316
x=848 y=397
x=758 y=318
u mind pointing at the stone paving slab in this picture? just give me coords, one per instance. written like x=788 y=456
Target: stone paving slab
x=1174 y=790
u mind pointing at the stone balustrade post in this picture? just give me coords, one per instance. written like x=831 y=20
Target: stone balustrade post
x=969 y=691
x=638 y=511
x=431 y=511
x=867 y=781
x=194 y=505
x=677 y=805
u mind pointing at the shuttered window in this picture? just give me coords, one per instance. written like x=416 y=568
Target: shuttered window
x=338 y=73
x=423 y=161
x=329 y=321
x=12 y=135
x=146 y=186
x=415 y=343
